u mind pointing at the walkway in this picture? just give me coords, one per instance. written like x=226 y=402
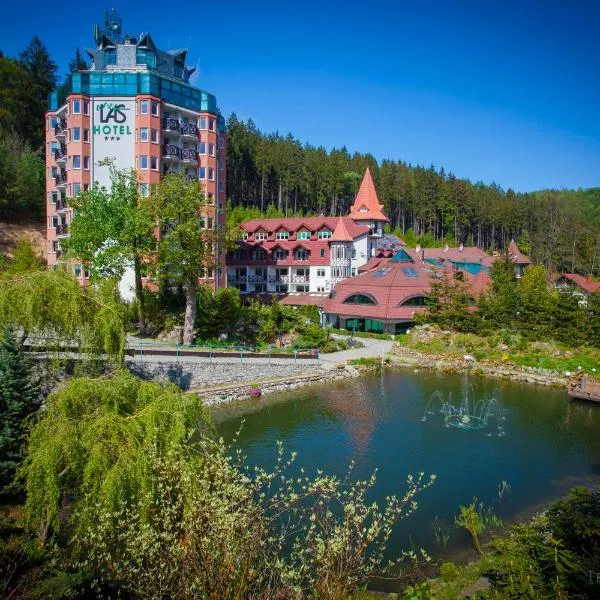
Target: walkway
x=373 y=348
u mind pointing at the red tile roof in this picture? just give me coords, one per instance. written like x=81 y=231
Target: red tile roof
x=391 y=284
x=516 y=255
x=366 y=198
x=341 y=233
x=587 y=285
x=314 y=224
x=303 y=299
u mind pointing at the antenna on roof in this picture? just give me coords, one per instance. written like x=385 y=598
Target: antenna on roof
x=113 y=25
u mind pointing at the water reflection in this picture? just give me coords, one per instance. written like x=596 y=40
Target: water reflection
x=551 y=443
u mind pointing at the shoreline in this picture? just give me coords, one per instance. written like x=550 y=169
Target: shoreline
x=400 y=357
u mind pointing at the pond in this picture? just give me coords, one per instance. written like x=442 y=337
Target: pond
x=529 y=445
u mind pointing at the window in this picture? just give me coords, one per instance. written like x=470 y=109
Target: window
x=303 y=235
x=86 y=187
x=324 y=234
x=143 y=161
x=211 y=198
x=154 y=163
x=110 y=56
x=202 y=123
x=320 y=272
x=53 y=122
x=143 y=56
x=144 y=107
x=143 y=134
x=211 y=173
x=154 y=136
x=302 y=288
x=322 y=252
x=76 y=136
x=53 y=196
x=210 y=223
x=76 y=161
x=154 y=108
x=359 y=299
x=86 y=135
x=282 y=235
x=237 y=255
x=76 y=107
x=203 y=222
x=77 y=271
x=53 y=147
x=202 y=173
x=301 y=254
x=221 y=186
x=86 y=163
x=279 y=254
x=281 y=289
x=202 y=148
x=144 y=190
x=260 y=236
x=211 y=124
x=211 y=149
x=260 y=288
x=258 y=255
x=86 y=108
x=76 y=188
x=415 y=301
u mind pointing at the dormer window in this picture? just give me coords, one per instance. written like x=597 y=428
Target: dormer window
x=301 y=254
x=363 y=209
x=324 y=234
x=258 y=255
x=143 y=56
x=110 y=56
x=243 y=235
x=261 y=236
x=282 y=235
x=279 y=254
x=303 y=235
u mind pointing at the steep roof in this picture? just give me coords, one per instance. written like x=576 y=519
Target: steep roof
x=341 y=233
x=516 y=255
x=311 y=223
x=366 y=204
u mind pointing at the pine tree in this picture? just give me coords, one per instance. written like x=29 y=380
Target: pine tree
x=19 y=398
x=568 y=319
x=78 y=63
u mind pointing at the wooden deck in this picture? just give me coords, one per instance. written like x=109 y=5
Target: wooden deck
x=583 y=386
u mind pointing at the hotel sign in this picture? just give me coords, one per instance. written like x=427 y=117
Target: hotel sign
x=113 y=122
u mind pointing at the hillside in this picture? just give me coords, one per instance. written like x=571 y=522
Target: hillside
x=11 y=233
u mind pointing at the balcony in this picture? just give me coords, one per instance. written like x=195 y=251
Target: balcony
x=189 y=130
x=171 y=151
x=300 y=279
x=172 y=125
x=61 y=204
x=280 y=279
x=62 y=229
x=60 y=129
x=189 y=155
x=60 y=180
x=60 y=154
x=256 y=279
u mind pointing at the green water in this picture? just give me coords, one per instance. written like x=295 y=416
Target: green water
x=541 y=444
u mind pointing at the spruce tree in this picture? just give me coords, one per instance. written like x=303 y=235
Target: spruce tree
x=19 y=398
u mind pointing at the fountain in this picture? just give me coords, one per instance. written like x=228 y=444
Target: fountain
x=468 y=413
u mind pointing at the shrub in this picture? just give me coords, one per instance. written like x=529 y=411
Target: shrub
x=448 y=571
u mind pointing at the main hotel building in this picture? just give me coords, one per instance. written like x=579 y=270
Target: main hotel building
x=135 y=106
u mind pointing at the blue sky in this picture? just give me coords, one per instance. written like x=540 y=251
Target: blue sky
x=491 y=90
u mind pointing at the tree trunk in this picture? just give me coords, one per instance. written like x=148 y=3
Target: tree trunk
x=139 y=293
x=190 y=311
x=262 y=193
x=280 y=198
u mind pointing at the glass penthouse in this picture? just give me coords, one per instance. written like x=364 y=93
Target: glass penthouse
x=135 y=106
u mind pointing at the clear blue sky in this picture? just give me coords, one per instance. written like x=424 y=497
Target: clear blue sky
x=498 y=90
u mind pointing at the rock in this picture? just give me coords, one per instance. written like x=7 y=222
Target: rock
x=481 y=585
x=174 y=336
x=503 y=347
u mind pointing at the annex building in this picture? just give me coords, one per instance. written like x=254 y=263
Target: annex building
x=307 y=255
x=136 y=107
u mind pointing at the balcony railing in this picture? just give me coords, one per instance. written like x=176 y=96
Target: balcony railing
x=189 y=155
x=171 y=124
x=280 y=279
x=62 y=229
x=61 y=204
x=61 y=127
x=189 y=129
x=299 y=279
x=256 y=279
x=171 y=151
x=61 y=178
x=60 y=153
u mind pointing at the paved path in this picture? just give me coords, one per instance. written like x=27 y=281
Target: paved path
x=373 y=348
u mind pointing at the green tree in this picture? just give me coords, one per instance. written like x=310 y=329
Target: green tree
x=186 y=248
x=535 y=303
x=113 y=230
x=500 y=304
x=593 y=319
x=78 y=63
x=19 y=398
x=25 y=259
x=568 y=319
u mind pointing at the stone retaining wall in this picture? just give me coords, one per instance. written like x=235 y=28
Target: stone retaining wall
x=188 y=374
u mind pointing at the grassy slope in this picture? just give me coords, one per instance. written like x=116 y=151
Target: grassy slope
x=11 y=233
